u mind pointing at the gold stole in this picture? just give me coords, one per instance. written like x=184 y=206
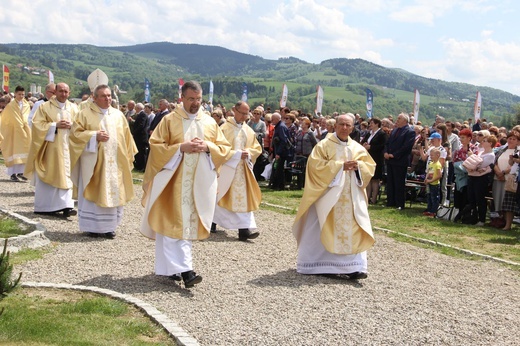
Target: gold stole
x=239 y=187
x=190 y=220
x=64 y=114
x=342 y=215
x=108 y=123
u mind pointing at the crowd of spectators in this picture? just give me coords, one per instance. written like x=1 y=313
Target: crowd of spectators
x=288 y=136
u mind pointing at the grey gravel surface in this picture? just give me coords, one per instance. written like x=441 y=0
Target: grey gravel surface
x=252 y=295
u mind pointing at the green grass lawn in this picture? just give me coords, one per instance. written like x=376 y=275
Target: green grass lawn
x=11 y=228
x=66 y=317
x=485 y=240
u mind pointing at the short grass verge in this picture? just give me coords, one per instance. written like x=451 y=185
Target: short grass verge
x=67 y=317
x=10 y=227
x=485 y=240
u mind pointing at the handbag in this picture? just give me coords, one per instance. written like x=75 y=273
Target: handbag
x=447 y=213
x=511 y=183
x=471 y=164
x=472 y=161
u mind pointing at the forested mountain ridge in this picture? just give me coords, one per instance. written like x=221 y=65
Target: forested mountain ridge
x=163 y=63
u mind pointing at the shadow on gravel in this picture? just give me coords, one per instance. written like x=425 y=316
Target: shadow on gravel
x=144 y=284
x=223 y=236
x=68 y=237
x=290 y=278
x=17 y=194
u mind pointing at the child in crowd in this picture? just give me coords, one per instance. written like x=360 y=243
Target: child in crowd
x=433 y=176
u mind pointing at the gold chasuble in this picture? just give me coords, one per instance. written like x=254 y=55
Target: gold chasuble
x=180 y=200
x=16 y=132
x=51 y=160
x=238 y=190
x=340 y=201
x=106 y=174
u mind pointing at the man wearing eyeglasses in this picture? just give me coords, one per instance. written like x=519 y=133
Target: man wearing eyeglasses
x=238 y=192
x=187 y=148
x=49 y=92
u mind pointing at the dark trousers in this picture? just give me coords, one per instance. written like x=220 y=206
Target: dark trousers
x=141 y=158
x=477 y=190
x=433 y=198
x=278 y=174
x=395 y=185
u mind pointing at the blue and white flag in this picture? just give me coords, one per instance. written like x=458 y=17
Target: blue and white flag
x=244 y=92
x=210 y=98
x=146 y=90
x=370 y=101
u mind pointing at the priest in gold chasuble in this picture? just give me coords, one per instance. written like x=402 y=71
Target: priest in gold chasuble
x=16 y=135
x=238 y=191
x=332 y=227
x=180 y=184
x=48 y=165
x=102 y=154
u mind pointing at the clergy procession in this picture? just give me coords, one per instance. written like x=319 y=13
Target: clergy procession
x=199 y=173
x=201 y=165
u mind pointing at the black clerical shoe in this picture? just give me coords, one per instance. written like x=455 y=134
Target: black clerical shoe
x=110 y=235
x=191 y=278
x=245 y=234
x=357 y=276
x=213 y=228
x=175 y=277
x=21 y=176
x=69 y=212
x=94 y=235
x=14 y=178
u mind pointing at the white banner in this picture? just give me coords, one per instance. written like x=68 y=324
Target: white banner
x=478 y=106
x=416 y=104
x=283 y=100
x=210 y=99
x=319 y=99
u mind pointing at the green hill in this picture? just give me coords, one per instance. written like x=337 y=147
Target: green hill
x=163 y=63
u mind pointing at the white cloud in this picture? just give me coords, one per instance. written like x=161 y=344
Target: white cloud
x=311 y=30
x=482 y=63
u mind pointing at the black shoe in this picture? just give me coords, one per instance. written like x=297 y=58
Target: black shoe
x=21 y=176
x=69 y=212
x=245 y=234
x=110 y=235
x=213 y=228
x=14 y=178
x=357 y=276
x=94 y=235
x=191 y=278
x=175 y=277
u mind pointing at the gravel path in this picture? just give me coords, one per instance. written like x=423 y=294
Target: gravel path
x=252 y=295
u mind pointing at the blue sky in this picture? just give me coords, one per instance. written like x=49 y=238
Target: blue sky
x=474 y=42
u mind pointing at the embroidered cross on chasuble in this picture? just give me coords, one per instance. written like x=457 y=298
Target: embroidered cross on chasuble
x=343 y=212
x=239 y=187
x=109 y=124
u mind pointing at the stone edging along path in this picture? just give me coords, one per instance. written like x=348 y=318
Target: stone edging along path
x=172 y=328
x=37 y=239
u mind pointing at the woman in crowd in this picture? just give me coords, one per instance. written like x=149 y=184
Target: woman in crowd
x=269 y=131
x=505 y=201
x=218 y=116
x=305 y=139
x=374 y=142
x=478 y=182
x=441 y=128
x=418 y=166
x=257 y=124
x=460 y=194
